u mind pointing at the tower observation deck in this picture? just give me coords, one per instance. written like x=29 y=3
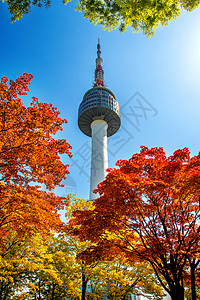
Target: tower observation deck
x=99 y=118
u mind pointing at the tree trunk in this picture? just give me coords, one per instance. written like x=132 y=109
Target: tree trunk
x=84 y=285
x=53 y=291
x=4 y=290
x=192 y=273
x=177 y=293
x=1 y=290
x=39 y=298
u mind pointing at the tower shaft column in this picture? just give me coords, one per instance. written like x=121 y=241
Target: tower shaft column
x=99 y=158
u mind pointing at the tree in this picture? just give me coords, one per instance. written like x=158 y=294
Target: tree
x=141 y=15
x=58 y=279
x=29 y=155
x=148 y=210
x=84 y=271
x=116 y=279
x=193 y=279
x=36 y=268
x=111 y=279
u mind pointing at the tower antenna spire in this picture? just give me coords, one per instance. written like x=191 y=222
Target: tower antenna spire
x=99 y=73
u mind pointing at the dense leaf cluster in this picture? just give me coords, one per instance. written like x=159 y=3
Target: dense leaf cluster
x=141 y=15
x=29 y=156
x=38 y=268
x=149 y=210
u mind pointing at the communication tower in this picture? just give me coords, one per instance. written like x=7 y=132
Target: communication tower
x=99 y=118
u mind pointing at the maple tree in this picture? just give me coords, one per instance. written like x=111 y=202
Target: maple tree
x=141 y=15
x=29 y=156
x=148 y=210
x=111 y=279
x=38 y=268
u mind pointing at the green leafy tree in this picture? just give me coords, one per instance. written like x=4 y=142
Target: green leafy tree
x=141 y=15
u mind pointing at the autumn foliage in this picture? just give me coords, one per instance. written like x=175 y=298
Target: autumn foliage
x=148 y=210
x=29 y=156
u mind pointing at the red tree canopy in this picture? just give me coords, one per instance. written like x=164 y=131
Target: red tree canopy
x=148 y=210
x=29 y=154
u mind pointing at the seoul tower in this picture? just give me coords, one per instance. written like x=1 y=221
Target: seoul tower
x=99 y=118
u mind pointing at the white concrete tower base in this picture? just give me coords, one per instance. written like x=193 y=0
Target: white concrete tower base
x=99 y=158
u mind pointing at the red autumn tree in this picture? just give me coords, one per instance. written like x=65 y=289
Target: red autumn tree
x=148 y=210
x=29 y=154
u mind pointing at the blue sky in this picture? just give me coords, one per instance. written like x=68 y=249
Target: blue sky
x=157 y=79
